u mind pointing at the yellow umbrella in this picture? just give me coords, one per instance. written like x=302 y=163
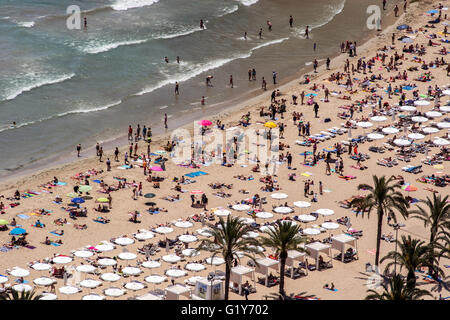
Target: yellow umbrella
x=438 y=166
x=102 y=200
x=270 y=124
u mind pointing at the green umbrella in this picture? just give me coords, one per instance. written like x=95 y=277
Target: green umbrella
x=102 y=200
x=149 y=195
x=85 y=188
x=3 y=222
x=72 y=195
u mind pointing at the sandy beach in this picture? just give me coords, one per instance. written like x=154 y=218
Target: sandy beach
x=350 y=279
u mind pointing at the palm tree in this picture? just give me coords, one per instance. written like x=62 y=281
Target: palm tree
x=228 y=241
x=384 y=197
x=413 y=255
x=285 y=236
x=24 y=295
x=436 y=216
x=397 y=290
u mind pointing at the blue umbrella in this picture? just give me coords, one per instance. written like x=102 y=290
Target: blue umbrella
x=432 y=11
x=402 y=27
x=17 y=231
x=407 y=40
x=78 y=200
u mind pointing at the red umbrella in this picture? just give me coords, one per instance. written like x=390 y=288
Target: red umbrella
x=197 y=192
x=205 y=123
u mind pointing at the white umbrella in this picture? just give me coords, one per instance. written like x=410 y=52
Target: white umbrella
x=444 y=108
x=246 y=220
x=251 y=234
x=195 y=267
x=123 y=241
x=93 y=296
x=193 y=280
x=144 y=235
x=19 y=272
x=306 y=218
x=330 y=225
x=187 y=238
x=378 y=118
x=256 y=248
x=430 y=130
x=3 y=279
x=443 y=125
x=41 y=266
x=151 y=264
x=419 y=119
x=311 y=231
x=184 y=224
x=175 y=273
x=416 y=136
x=83 y=254
x=446 y=92
x=266 y=228
x=110 y=277
x=283 y=210
x=132 y=271
x=215 y=261
x=135 y=286
x=433 y=114
x=241 y=207
x=48 y=296
x=364 y=124
x=325 y=212
x=190 y=252
x=402 y=142
x=390 y=130
x=107 y=262
x=408 y=108
x=43 y=281
x=264 y=215
x=62 y=259
x=114 y=292
x=441 y=142
x=222 y=212
x=163 y=230
x=375 y=136
x=22 y=287
x=293 y=223
x=302 y=204
x=421 y=103
x=69 y=290
x=127 y=256
x=86 y=268
x=279 y=195
x=90 y=283
x=171 y=258
x=104 y=247
x=204 y=232
x=154 y=278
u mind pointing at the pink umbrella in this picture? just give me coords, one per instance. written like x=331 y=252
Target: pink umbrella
x=156 y=168
x=205 y=123
x=197 y=192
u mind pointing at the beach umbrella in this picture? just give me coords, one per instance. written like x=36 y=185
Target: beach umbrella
x=93 y=296
x=433 y=114
x=419 y=119
x=402 y=142
x=416 y=136
x=409 y=188
x=132 y=271
x=443 y=125
x=78 y=200
x=256 y=248
x=163 y=230
x=407 y=40
x=222 y=212
x=216 y=261
x=106 y=262
x=17 y=231
x=364 y=124
x=110 y=277
x=264 y=215
x=83 y=254
x=193 y=280
x=446 y=92
x=283 y=210
x=124 y=241
x=195 y=267
x=151 y=264
x=204 y=232
x=402 y=27
x=22 y=287
x=171 y=258
x=430 y=130
x=87 y=268
x=156 y=168
x=175 y=273
x=184 y=224
x=72 y=195
x=246 y=220
x=190 y=252
x=294 y=223
x=311 y=231
x=408 y=108
x=330 y=225
x=421 y=103
x=102 y=200
x=187 y=238
x=156 y=279
x=144 y=235
x=41 y=266
x=270 y=125
x=250 y=234
x=134 y=285
x=89 y=283
x=378 y=118
x=306 y=218
x=84 y=188
x=205 y=123
x=390 y=130
x=325 y=212
x=149 y=195
x=114 y=292
x=197 y=192
x=241 y=207
x=104 y=247
x=441 y=142
x=266 y=228
x=62 y=259
x=69 y=290
x=127 y=256
x=279 y=195
x=3 y=279
x=48 y=296
x=375 y=136
x=19 y=272
x=3 y=222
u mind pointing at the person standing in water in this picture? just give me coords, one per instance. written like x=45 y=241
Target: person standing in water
x=166 y=59
x=231 y=81
x=177 y=88
x=178 y=59
x=307 y=32
x=85 y=22
x=291 y=21
x=315 y=46
x=260 y=33
x=328 y=63
x=203 y=100
x=245 y=35
x=274 y=76
x=264 y=84
x=269 y=25
x=249 y=74
x=78 y=150
x=254 y=74
x=202 y=25
x=165 y=121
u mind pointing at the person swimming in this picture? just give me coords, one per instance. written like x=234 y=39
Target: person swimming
x=166 y=59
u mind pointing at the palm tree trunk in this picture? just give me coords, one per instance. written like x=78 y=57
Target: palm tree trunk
x=431 y=260
x=411 y=279
x=282 y=269
x=380 y=224
x=227 y=279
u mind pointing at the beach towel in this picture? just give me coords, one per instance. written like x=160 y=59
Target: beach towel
x=53 y=232
x=97 y=181
x=372 y=252
x=30 y=247
x=334 y=290
x=23 y=216
x=4 y=249
x=55 y=244
x=61 y=183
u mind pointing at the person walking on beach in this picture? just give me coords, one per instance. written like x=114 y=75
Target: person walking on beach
x=307 y=32
x=291 y=21
x=302 y=97
x=116 y=154
x=78 y=150
x=177 y=88
x=231 y=81
x=396 y=10
x=130 y=132
x=316 y=109
x=393 y=38
x=165 y=120
x=315 y=65
x=405 y=4
x=264 y=84
x=100 y=154
x=97 y=148
x=384 y=4
x=274 y=76
x=328 y=63
x=108 y=165
x=254 y=74
x=260 y=33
